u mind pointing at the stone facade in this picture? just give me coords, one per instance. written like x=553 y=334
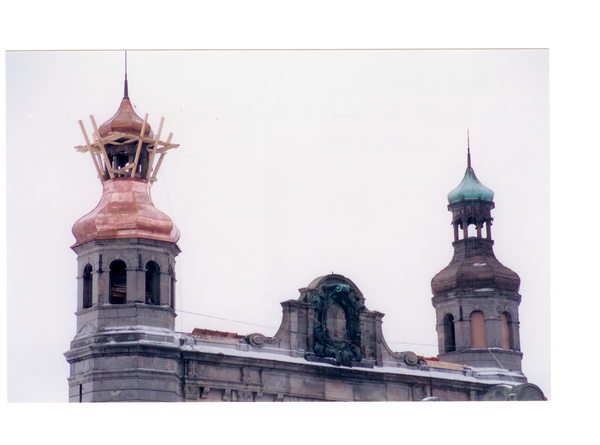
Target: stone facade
x=288 y=366
x=133 y=358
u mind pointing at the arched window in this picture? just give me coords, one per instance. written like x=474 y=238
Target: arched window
x=478 y=335
x=152 y=283
x=87 y=286
x=449 y=336
x=472 y=230
x=118 y=282
x=506 y=337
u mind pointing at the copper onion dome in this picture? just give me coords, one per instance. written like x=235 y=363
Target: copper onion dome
x=126 y=121
x=470 y=188
x=125 y=211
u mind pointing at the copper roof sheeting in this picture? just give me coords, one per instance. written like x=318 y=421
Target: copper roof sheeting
x=125 y=211
x=207 y=335
x=199 y=332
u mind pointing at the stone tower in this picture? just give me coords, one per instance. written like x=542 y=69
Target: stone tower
x=475 y=297
x=125 y=347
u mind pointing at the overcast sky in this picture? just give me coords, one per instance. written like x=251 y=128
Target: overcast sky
x=45 y=174
x=291 y=165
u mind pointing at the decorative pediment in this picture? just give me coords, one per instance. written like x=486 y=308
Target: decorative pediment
x=329 y=323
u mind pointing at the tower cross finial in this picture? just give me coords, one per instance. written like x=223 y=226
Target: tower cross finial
x=126 y=93
x=468 y=151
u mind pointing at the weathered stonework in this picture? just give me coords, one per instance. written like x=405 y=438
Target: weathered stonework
x=132 y=363
x=259 y=368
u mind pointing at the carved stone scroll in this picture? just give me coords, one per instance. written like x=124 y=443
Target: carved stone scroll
x=191 y=391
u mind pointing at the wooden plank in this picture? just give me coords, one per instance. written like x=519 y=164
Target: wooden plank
x=139 y=147
x=122 y=170
x=112 y=137
x=87 y=141
x=165 y=149
x=85 y=148
x=160 y=159
x=103 y=150
x=162 y=156
x=99 y=162
x=153 y=153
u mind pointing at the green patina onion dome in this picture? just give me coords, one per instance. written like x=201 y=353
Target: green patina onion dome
x=470 y=188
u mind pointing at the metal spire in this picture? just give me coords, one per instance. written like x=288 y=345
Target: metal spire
x=468 y=151
x=126 y=93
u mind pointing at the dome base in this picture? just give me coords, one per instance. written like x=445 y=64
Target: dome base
x=125 y=211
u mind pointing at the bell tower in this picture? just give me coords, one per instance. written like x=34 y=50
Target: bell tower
x=125 y=347
x=475 y=297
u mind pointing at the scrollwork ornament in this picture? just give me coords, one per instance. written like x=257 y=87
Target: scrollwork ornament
x=257 y=340
x=340 y=352
x=410 y=358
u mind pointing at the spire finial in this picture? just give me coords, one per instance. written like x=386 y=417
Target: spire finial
x=126 y=93
x=468 y=151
